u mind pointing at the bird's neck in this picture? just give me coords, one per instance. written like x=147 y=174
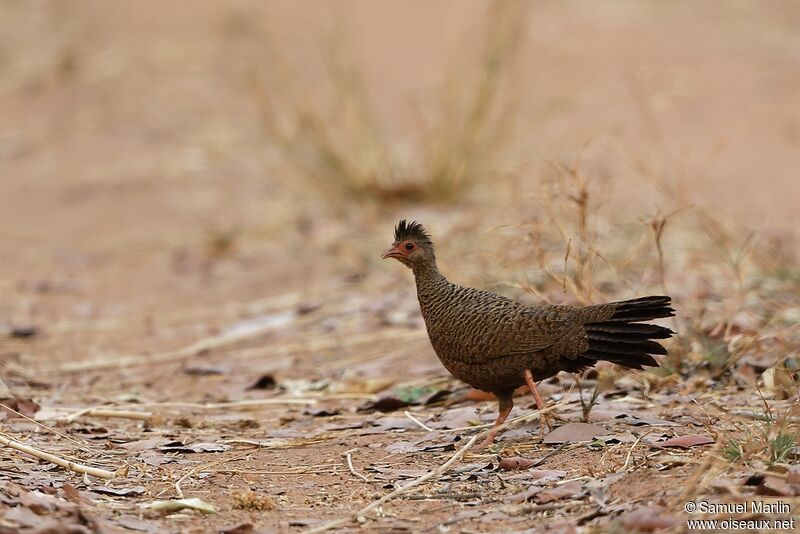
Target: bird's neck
x=427 y=277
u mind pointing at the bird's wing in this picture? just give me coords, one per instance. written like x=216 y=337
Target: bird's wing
x=535 y=329
x=512 y=329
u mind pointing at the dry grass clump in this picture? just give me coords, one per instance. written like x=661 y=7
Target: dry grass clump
x=733 y=288
x=342 y=147
x=769 y=441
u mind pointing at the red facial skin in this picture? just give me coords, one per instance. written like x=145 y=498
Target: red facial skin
x=400 y=251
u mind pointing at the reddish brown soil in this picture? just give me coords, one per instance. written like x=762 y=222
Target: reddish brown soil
x=143 y=209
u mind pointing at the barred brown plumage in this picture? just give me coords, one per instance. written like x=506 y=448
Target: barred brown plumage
x=497 y=344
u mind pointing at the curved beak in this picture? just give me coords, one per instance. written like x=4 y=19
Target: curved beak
x=393 y=252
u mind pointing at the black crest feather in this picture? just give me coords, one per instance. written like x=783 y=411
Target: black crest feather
x=412 y=230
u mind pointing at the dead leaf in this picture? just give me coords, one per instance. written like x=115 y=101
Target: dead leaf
x=515 y=463
x=574 y=433
x=321 y=412
x=526 y=495
x=564 y=491
x=793 y=475
x=538 y=475
x=177 y=446
x=780 y=381
x=23 y=331
x=457 y=418
x=637 y=420
x=118 y=492
x=134 y=523
x=613 y=439
x=305 y=522
x=71 y=494
x=243 y=528
x=23 y=516
x=390 y=473
x=146 y=444
x=393 y=423
x=385 y=404
x=648 y=519
x=5 y=393
x=543 y=475
x=684 y=442
x=174 y=505
x=40 y=503
x=780 y=481
x=26 y=407
x=266 y=381
x=199 y=369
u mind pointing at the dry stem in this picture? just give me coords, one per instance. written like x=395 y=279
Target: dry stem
x=118 y=414
x=417 y=421
x=66 y=464
x=349 y=455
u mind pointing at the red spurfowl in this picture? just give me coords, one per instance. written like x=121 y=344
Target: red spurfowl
x=497 y=344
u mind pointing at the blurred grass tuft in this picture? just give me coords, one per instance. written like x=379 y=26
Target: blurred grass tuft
x=345 y=150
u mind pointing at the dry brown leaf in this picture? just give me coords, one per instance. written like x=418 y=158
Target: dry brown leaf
x=175 y=505
x=574 y=433
x=542 y=475
x=146 y=444
x=26 y=407
x=515 y=463
x=648 y=519
x=781 y=481
x=71 y=493
x=266 y=381
x=242 y=528
x=564 y=491
x=526 y=495
x=118 y=492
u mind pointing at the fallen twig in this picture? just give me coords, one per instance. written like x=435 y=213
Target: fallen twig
x=752 y=414
x=349 y=455
x=116 y=414
x=417 y=421
x=399 y=491
x=66 y=464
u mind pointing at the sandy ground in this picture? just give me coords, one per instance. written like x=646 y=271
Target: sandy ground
x=144 y=209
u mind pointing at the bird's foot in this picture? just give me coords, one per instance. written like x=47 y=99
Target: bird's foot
x=489 y=441
x=545 y=424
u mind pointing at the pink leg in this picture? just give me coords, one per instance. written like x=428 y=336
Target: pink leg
x=546 y=421
x=506 y=403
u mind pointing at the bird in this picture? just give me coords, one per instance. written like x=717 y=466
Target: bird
x=497 y=344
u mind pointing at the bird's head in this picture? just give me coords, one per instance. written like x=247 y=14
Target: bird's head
x=412 y=245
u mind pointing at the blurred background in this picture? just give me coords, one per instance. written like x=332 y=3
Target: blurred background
x=163 y=155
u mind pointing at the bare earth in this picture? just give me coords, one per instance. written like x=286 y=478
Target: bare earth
x=172 y=265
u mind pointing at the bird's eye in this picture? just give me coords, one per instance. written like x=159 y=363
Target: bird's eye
x=409 y=246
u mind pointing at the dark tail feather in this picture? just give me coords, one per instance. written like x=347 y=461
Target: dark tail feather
x=621 y=340
x=642 y=309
